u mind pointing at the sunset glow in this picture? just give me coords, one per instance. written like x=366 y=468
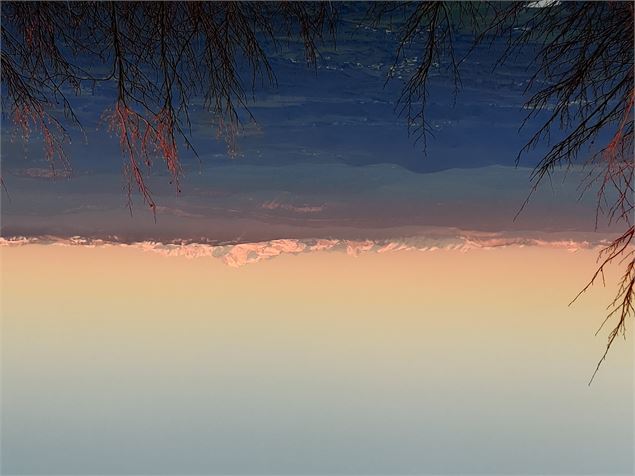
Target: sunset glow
x=317 y=238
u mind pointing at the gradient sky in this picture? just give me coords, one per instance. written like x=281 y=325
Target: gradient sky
x=408 y=325
x=438 y=362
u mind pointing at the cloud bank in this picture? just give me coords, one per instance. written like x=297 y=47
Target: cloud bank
x=239 y=254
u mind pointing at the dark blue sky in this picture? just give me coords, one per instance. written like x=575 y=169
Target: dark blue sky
x=329 y=151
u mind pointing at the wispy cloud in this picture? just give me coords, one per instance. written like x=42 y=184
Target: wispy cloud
x=41 y=172
x=275 y=205
x=178 y=212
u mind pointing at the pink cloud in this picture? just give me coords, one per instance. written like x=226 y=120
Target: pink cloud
x=237 y=255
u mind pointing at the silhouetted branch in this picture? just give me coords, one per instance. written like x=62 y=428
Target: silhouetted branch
x=583 y=79
x=162 y=56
